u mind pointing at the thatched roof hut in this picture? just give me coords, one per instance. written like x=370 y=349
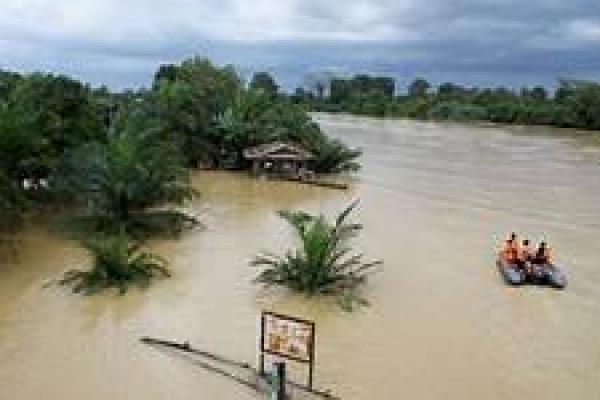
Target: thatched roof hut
x=279 y=158
x=278 y=151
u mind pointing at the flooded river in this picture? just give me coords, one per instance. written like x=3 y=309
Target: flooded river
x=435 y=201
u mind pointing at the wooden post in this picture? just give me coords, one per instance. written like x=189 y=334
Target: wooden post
x=280 y=380
x=311 y=366
x=261 y=368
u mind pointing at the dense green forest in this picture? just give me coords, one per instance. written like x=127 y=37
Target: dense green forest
x=120 y=162
x=574 y=104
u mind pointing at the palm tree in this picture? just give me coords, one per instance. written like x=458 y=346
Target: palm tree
x=127 y=181
x=333 y=156
x=117 y=262
x=255 y=118
x=323 y=264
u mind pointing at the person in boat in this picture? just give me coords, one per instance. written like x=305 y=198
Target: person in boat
x=524 y=256
x=543 y=255
x=540 y=261
x=510 y=244
x=509 y=252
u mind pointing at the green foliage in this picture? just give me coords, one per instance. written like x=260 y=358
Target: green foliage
x=418 y=88
x=212 y=117
x=255 y=118
x=189 y=103
x=416 y=108
x=123 y=155
x=167 y=72
x=264 y=82
x=333 y=156
x=140 y=225
x=124 y=178
x=535 y=94
x=12 y=204
x=250 y=121
x=323 y=264
x=574 y=104
x=58 y=110
x=454 y=111
x=24 y=152
x=117 y=262
x=449 y=91
x=583 y=101
x=8 y=82
x=362 y=95
x=503 y=112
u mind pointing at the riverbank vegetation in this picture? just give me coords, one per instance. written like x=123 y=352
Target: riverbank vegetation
x=117 y=164
x=573 y=104
x=323 y=264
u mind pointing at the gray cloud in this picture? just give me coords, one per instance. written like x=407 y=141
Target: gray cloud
x=121 y=42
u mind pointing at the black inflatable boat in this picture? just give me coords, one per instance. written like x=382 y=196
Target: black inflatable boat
x=511 y=273
x=547 y=274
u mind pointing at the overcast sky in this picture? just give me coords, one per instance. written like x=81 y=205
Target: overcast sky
x=121 y=42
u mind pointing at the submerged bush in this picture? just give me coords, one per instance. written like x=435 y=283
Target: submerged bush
x=117 y=262
x=323 y=264
x=139 y=225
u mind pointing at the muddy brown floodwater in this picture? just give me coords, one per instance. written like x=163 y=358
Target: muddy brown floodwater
x=435 y=201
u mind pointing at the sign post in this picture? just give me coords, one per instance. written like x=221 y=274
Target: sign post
x=280 y=380
x=287 y=337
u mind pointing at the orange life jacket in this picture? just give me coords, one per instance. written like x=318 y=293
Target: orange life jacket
x=510 y=252
x=524 y=253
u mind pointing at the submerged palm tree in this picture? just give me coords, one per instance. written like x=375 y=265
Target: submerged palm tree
x=323 y=264
x=333 y=156
x=126 y=180
x=117 y=262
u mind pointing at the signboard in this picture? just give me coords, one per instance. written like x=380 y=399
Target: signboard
x=288 y=337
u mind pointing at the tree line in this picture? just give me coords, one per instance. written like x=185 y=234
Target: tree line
x=573 y=104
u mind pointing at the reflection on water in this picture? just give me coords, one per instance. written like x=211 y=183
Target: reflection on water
x=435 y=200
